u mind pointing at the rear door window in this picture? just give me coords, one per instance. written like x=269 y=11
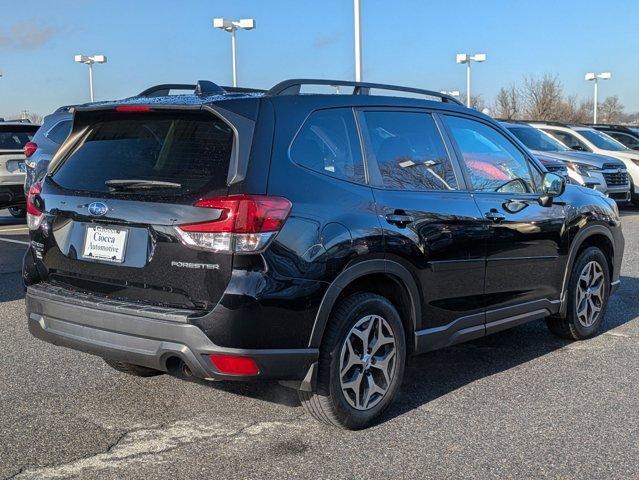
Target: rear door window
x=328 y=143
x=190 y=150
x=60 y=131
x=568 y=139
x=408 y=151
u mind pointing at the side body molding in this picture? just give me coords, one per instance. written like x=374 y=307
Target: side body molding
x=366 y=267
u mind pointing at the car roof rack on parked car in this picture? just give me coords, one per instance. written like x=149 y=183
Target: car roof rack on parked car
x=294 y=86
x=613 y=126
x=201 y=88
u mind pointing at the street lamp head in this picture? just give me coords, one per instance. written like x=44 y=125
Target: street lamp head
x=605 y=75
x=247 y=23
x=590 y=76
x=232 y=25
x=90 y=59
x=223 y=24
x=478 y=57
x=462 y=58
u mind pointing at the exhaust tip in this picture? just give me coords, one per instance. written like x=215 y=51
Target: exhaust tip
x=186 y=371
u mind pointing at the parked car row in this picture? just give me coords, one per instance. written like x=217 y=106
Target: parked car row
x=315 y=239
x=600 y=172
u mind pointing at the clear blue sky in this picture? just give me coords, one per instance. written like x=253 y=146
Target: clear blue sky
x=411 y=42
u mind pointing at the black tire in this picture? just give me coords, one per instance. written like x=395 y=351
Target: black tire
x=328 y=404
x=130 y=369
x=17 y=212
x=571 y=327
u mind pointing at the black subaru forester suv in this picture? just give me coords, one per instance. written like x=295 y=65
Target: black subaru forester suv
x=314 y=239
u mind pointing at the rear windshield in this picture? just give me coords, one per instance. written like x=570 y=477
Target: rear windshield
x=14 y=137
x=191 y=151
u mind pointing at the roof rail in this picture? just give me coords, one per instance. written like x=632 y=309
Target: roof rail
x=550 y=122
x=203 y=87
x=615 y=126
x=294 y=86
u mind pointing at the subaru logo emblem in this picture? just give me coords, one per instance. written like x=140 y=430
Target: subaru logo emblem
x=97 y=209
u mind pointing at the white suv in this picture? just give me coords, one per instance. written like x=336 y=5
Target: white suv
x=586 y=139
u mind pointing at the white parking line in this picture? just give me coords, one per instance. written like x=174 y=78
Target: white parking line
x=10 y=240
x=20 y=229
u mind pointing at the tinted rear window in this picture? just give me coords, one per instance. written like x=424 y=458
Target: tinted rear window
x=13 y=137
x=192 y=150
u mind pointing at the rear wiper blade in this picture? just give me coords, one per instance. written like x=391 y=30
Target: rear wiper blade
x=130 y=184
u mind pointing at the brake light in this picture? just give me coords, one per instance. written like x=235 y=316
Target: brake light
x=234 y=364
x=34 y=206
x=30 y=148
x=132 y=108
x=246 y=223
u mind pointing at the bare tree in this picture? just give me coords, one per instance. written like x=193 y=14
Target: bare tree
x=543 y=98
x=476 y=101
x=508 y=103
x=575 y=111
x=611 y=110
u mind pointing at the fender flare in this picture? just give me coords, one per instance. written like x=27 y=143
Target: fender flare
x=345 y=278
x=577 y=242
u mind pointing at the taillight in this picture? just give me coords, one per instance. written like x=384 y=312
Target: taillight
x=234 y=364
x=34 y=206
x=30 y=148
x=246 y=223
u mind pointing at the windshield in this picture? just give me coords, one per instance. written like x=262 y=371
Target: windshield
x=601 y=140
x=14 y=137
x=536 y=139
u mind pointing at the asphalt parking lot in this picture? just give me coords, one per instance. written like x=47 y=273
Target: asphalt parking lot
x=520 y=403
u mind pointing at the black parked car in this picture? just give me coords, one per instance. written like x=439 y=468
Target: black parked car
x=316 y=239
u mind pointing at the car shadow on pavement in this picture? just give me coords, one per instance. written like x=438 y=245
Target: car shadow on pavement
x=435 y=374
x=11 y=292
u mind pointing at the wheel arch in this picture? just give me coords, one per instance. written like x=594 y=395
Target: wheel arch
x=372 y=275
x=593 y=235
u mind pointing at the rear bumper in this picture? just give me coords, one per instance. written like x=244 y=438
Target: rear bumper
x=145 y=336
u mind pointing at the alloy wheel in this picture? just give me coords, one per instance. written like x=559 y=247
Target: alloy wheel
x=367 y=362
x=590 y=293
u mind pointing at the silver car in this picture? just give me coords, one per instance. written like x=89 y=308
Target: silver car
x=600 y=172
x=14 y=137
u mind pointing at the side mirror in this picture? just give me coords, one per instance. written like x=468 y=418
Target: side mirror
x=552 y=185
x=579 y=148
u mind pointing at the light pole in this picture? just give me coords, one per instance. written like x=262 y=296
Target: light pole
x=467 y=59
x=90 y=60
x=357 y=13
x=591 y=76
x=231 y=26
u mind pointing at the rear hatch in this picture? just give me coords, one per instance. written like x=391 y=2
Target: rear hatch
x=123 y=183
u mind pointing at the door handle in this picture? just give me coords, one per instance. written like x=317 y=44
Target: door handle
x=494 y=215
x=399 y=218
